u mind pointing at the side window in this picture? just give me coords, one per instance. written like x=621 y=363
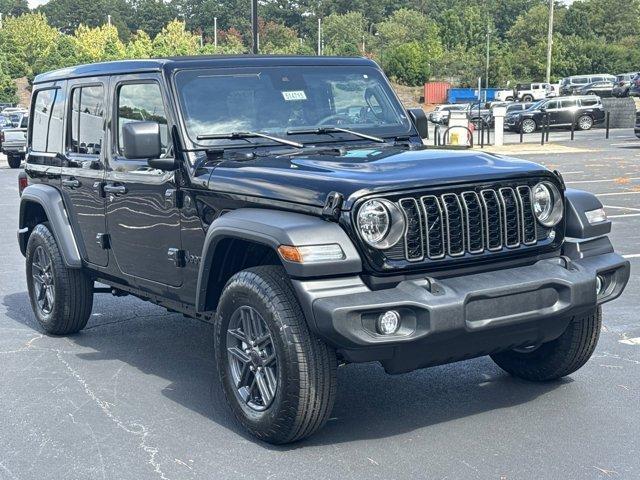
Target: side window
x=46 y=132
x=568 y=103
x=142 y=102
x=588 y=102
x=552 y=105
x=87 y=120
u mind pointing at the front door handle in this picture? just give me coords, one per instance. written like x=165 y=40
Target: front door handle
x=115 y=189
x=71 y=183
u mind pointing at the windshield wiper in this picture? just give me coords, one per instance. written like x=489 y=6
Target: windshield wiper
x=331 y=129
x=244 y=135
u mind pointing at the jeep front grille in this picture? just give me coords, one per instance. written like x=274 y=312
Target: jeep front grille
x=467 y=222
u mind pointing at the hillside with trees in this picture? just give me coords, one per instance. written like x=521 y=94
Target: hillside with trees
x=413 y=40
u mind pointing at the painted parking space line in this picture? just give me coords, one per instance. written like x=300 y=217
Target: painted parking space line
x=620 y=180
x=612 y=194
x=632 y=209
x=624 y=215
x=632 y=255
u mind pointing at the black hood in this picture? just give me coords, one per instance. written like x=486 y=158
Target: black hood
x=308 y=179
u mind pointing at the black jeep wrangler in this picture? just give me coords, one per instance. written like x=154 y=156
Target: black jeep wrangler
x=291 y=202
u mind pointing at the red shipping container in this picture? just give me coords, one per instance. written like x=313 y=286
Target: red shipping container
x=436 y=92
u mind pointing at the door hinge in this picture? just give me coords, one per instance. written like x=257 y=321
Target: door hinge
x=174 y=197
x=103 y=240
x=177 y=256
x=332 y=206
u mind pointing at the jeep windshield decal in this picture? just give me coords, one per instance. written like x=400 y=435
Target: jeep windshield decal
x=346 y=100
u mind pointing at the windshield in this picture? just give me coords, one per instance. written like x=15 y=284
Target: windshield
x=537 y=105
x=277 y=99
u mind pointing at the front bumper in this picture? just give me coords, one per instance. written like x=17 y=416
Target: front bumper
x=451 y=319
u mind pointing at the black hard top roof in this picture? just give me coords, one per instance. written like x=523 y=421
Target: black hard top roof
x=198 y=61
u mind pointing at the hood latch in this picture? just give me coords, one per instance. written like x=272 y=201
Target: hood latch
x=332 y=206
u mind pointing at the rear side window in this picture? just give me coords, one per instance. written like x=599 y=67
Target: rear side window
x=87 y=120
x=589 y=102
x=581 y=81
x=568 y=103
x=48 y=110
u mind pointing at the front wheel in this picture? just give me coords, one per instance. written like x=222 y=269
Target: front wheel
x=585 y=122
x=278 y=378
x=558 y=358
x=14 y=161
x=528 y=125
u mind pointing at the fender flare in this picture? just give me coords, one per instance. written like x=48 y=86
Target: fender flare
x=50 y=199
x=577 y=226
x=273 y=228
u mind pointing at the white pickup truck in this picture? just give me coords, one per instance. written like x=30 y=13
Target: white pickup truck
x=14 y=142
x=526 y=92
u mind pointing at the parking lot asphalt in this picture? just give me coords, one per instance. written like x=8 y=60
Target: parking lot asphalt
x=134 y=395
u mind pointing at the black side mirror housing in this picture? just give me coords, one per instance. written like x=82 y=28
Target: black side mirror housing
x=166 y=164
x=419 y=119
x=141 y=140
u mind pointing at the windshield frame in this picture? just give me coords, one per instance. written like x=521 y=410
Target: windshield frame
x=190 y=137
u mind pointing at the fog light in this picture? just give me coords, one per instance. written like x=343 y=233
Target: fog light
x=552 y=235
x=388 y=322
x=600 y=284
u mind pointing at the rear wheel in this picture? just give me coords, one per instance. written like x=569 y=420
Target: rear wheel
x=14 y=161
x=558 y=358
x=61 y=297
x=585 y=122
x=527 y=98
x=528 y=125
x=278 y=378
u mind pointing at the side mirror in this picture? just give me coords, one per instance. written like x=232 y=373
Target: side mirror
x=419 y=119
x=141 y=140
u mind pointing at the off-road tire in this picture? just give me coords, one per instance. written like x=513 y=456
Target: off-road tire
x=585 y=122
x=527 y=98
x=14 y=161
x=558 y=358
x=306 y=380
x=73 y=292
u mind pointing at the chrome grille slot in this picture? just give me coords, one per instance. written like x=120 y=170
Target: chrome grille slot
x=413 y=241
x=473 y=220
x=510 y=217
x=493 y=219
x=434 y=226
x=454 y=222
x=528 y=218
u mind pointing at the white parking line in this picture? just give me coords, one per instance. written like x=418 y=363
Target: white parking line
x=611 y=194
x=622 y=208
x=571 y=173
x=606 y=180
x=624 y=216
x=632 y=255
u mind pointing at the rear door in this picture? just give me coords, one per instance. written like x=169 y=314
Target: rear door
x=143 y=218
x=567 y=111
x=83 y=166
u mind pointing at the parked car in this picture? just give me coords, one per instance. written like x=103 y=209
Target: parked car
x=299 y=212
x=623 y=83
x=601 y=89
x=582 y=111
x=13 y=142
x=569 y=85
x=634 y=88
x=526 y=92
x=637 y=127
x=14 y=111
x=5 y=123
x=441 y=113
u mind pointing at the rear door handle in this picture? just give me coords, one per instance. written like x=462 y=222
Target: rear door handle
x=71 y=183
x=115 y=189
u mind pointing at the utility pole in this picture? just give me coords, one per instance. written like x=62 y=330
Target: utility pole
x=254 y=26
x=109 y=20
x=215 y=32
x=319 y=36
x=486 y=73
x=549 y=41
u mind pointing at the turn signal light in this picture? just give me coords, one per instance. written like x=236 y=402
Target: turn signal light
x=311 y=253
x=23 y=182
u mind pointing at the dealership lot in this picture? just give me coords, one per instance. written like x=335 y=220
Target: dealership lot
x=134 y=395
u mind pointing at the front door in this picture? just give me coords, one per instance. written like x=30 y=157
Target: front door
x=142 y=217
x=83 y=166
x=552 y=109
x=567 y=111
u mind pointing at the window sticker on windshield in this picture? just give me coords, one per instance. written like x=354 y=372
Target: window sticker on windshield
x=294 y=95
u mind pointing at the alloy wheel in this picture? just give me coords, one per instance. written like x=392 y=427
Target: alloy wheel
x=43 y=281
x=585 y=123
x=528 y=126
x=252 y=359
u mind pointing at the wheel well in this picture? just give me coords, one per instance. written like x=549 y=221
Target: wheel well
x=32 y=214
x=231 y=256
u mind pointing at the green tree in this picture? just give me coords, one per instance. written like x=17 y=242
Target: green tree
x=152 y=15
x=68 y=15
x=409 y=26
x=99 y=44
x=13 y=7
x=343 y=33
x=407 y=63
x=174 y=39
x=140 y=45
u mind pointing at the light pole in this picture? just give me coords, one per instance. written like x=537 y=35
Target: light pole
x=549 y=41
x=254 y=26
x=486 y=73
x=319 y=36
x=215 y=32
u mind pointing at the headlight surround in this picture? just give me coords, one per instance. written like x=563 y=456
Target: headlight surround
x=547 y=204
x=380 y=223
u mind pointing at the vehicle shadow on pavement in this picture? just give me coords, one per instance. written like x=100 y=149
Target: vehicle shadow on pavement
x=370 y=404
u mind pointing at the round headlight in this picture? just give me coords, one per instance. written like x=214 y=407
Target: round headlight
x=547 y=204
x=380 y=223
